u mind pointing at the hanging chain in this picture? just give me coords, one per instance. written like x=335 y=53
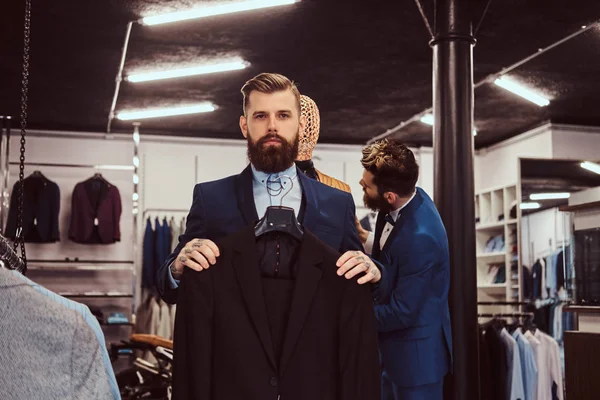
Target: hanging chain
x=20 y=240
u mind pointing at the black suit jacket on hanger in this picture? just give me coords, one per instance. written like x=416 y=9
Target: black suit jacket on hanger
x=223 y=344
x=41 y=206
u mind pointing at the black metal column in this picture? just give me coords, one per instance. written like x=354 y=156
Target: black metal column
x=454 y=183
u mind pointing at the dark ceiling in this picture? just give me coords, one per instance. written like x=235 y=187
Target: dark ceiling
x=367 y=64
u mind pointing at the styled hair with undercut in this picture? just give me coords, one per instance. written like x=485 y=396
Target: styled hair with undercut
x=268 y=83
x=393 y=166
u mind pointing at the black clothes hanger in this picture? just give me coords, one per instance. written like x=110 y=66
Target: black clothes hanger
x=37 y=174
x=280 y=219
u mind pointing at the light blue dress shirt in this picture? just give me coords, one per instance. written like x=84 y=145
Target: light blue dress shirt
x=528 y=365
x=90 y=319
x=270 y=190
x=515 y=376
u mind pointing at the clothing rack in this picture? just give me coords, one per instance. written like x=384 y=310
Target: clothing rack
x=165 y=210
x=94 y=166
x=538 y=303
x=506 y=315
x=559 y=245
x=83 y=267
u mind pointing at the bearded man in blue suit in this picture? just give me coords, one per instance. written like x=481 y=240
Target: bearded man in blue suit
x=410 y=241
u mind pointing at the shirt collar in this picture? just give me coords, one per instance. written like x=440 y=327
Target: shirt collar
x=261 y=177
x=394 y=214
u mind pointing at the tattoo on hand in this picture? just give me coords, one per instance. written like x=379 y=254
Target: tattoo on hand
x=187 y=250
x=182 y=259
x=361 y=259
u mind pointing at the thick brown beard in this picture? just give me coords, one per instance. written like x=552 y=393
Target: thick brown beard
x=273 y=159
x=377 y=204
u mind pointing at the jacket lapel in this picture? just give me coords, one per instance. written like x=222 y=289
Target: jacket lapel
x=307 y=282
x=246 y=266
x=378 y=230
x=310 y=201
x=245 y=196
x=410 y=209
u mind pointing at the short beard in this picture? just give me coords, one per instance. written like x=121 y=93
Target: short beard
x=377 y=204
x=273 y=159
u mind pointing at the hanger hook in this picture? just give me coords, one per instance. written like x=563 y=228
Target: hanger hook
x=289 y=190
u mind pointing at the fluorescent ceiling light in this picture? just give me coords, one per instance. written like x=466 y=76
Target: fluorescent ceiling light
x=191 y=71
x=210 y=11
x=549 y=196
x=530 y=206
x=590 y=166
x=166 y=112
x=520 y=90
x=428 y=119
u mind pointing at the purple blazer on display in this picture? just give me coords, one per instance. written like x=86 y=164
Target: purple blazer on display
x=95 y=212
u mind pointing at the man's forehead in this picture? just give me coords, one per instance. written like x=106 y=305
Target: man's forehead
x=283 y=99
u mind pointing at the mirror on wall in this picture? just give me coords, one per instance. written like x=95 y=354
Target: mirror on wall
x=546 y=235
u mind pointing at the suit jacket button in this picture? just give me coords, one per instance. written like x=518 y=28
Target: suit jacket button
x=273 y=381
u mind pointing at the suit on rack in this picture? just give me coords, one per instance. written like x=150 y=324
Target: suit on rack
x=225 y=206
x=95 y=212
x=413 y=318
x=41 y=206
x=243 y=336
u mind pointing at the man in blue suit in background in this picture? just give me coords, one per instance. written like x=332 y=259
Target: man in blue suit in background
x=271 y=123
x=410 y=242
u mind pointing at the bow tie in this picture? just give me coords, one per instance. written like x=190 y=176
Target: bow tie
x=388 y=218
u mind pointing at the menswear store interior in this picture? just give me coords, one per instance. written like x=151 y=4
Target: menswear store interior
x=112 y=112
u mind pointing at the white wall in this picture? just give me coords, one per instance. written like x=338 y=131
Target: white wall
x=201 y=160
x=575 y=143
x=498 y=165
x=586 y=219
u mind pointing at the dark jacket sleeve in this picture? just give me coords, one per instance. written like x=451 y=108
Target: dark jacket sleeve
x=360 y=373
x=55 y=233
x=196 y=228
x=350 y=240
x=117 y=209
x=192 y=340
x=11 y=223
x=74 y=229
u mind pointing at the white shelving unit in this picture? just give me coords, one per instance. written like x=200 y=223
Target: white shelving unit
x=492 y=213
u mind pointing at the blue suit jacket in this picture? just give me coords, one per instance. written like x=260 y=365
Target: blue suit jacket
x=225 y=206
x=413 y=316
